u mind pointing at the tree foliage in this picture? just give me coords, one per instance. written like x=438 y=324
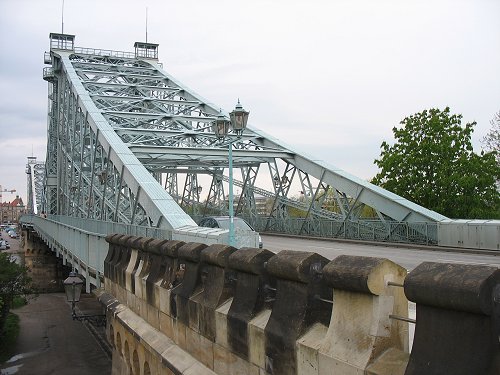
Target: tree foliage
x=491 y=141
x=14 y=281
x=432 y=163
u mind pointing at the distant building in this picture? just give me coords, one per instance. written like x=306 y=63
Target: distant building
x=10 y=212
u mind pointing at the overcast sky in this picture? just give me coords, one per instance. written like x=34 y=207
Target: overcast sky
x=329 y=77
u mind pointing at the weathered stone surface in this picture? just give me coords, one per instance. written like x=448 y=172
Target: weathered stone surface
x=217 y=255
x=257 y=338
x=250 y=294
x=228 y=363
x=356 y=274
x=392 y=362
x=458 y=323
x=200 y=347
x=460 y=287
x=191 y=251
x=307 y=350
x=299 y=266
x=221 y=322
x=360 y=329
x=296 y=307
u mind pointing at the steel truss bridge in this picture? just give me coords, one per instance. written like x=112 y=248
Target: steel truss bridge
x=129 y=143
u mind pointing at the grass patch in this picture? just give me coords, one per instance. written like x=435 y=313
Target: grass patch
x=7 y=342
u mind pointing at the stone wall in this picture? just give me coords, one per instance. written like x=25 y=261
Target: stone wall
x=45 y=269
x=189 y=308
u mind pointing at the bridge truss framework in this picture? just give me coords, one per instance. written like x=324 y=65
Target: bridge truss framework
x=129 y=143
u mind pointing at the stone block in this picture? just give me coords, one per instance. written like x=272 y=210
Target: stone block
x=458 y=319
x=130 y=302
x=257 y=338
x=198 y=369
x=164 y=296
x=295 y=308
x=392 y=362
x=228 y=363
x=307 y=350
x=332 y=366
x=166 y=325
x=129 y=276
x=360 y=329
x=221 y=324
x=153 y=316
x=200 y=347
x=180 y=334
x=177 y=360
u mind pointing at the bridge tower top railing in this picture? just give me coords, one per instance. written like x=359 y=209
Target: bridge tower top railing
x=146 y=50
x=62 y=41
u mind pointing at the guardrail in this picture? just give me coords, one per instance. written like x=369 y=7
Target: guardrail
x=104 y=52
x=424 y=233
x=81 y=242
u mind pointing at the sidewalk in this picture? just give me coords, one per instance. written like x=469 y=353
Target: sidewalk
x=50 y=342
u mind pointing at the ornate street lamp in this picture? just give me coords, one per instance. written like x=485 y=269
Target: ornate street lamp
x=73 y=288
x=239 y=118
x=238 y=123
x=221 y=126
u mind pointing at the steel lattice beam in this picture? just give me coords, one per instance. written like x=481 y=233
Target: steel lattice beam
x=120 y=127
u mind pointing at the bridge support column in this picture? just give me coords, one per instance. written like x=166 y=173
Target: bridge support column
x=45 y=268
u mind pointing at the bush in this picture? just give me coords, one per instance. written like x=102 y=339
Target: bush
x=8 y=340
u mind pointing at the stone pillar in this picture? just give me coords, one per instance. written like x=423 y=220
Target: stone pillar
x=458 y=319
x=296 y=308
x=45 y=269
x=181 y=308
x=360 y=328
x=250 y=297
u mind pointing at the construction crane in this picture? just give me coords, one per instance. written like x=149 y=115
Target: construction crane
x=5 y=191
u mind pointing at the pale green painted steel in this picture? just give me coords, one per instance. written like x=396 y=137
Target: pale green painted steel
x=120 y=126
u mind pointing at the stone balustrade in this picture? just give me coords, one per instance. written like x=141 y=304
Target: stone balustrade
x=189 y=308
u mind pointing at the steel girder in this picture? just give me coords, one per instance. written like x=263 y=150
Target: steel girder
x=35 y=189
x=119 y=127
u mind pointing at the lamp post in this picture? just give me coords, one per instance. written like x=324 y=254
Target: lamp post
x=73 y=289
x=238 y=122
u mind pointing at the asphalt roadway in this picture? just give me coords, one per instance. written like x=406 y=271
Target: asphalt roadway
x=51 y=343
x=408 y=257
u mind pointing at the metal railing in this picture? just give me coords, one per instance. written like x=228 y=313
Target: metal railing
x=82 y=241
x=104 y=52
x=424 y=233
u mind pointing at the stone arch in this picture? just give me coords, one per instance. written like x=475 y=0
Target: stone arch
x=147 y=371
x=135 y=364
x=119 y=343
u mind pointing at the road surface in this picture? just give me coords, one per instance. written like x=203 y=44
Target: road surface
x=404 y=256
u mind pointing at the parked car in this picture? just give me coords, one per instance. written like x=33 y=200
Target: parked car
x=12 y=234
x=3 y=245
x=223 y=223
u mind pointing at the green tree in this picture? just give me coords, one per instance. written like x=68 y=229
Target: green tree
x=432 y=163
x=491 y=141
x=14 y=281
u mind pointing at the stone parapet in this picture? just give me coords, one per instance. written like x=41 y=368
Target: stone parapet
x=216 y=309
x=458 y=319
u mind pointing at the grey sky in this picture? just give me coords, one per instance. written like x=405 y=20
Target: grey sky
x=329 y=77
